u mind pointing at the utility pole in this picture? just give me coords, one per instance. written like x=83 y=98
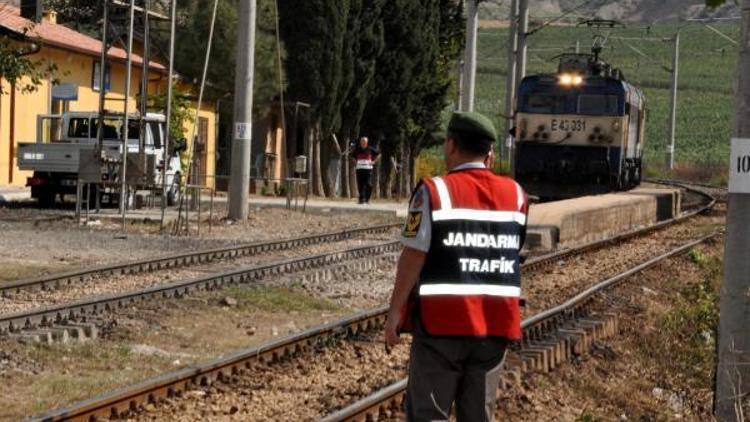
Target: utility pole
x=239 y=183
x=128 y=76
x=733 y=370
x=522 y=32
x=167 y=134
x=102 y=78
x=510 y=79
x=673 y=102
x=460 y=69
x=470 y=56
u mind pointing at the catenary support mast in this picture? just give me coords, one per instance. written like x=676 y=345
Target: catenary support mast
x=510 y=79
x=167 y=134
x=673 y=102
x=239 y=183
x=733 y=371
x=522 y=32
x=470 y=56
x=125 y=126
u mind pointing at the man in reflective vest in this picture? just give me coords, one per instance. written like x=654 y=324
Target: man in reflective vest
x=364 y=158
x=458 y=280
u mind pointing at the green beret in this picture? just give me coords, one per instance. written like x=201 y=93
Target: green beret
x=471 y=123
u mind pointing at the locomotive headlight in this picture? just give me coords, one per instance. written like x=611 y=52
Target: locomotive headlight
x=616 y=126
x=570 y=79
x=566 y=79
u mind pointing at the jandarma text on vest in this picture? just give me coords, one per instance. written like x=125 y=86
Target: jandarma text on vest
x=481 y=240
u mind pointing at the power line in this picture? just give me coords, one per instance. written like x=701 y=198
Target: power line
x=565 y=14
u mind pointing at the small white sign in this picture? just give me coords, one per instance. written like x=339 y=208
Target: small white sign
x=739 y=166
x=243 y=131
x=33 y=156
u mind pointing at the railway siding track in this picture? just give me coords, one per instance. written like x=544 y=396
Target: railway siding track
x=92 y=306
x=540 y=332
x=185 y=259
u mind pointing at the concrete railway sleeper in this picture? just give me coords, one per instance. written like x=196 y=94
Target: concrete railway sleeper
x=186 y=259
x=568 y=323
x=550 y=338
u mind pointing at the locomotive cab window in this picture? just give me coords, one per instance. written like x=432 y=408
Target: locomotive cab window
x=598 y=104
x=545 y=103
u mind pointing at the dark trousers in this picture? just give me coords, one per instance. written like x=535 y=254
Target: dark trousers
x=444 y=370
x=364 y=184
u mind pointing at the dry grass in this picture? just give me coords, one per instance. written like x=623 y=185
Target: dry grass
x=150 y=340
x=14 y=270
x=659 y=367
x=712 y=173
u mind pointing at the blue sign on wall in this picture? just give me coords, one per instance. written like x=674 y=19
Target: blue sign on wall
x=65 y=92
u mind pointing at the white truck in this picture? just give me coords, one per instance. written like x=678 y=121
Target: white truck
x=62 y=140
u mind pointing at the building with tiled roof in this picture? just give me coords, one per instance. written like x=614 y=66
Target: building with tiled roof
x=77 y=58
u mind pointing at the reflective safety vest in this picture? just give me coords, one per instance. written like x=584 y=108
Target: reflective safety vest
x=470 y=284
x=364 y=159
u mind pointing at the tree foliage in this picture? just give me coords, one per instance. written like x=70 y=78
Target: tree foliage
x=181 y=113
x=364 y=44
x=19 y=69
x=194 y=22
x=18 y=66
x=313 y=32
x=383 y=68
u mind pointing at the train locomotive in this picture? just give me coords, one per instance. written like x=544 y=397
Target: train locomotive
x=580 y=131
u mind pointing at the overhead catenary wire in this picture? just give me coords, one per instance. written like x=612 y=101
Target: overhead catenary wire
x=191 y=144
x=565 y=14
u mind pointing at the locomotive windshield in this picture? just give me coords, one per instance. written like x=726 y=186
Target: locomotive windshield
x=545 y=103
x=598 y=104
x=592 y=104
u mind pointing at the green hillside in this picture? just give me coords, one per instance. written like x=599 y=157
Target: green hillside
x=706 y=80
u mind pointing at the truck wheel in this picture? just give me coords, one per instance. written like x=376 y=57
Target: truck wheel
x=46 y=198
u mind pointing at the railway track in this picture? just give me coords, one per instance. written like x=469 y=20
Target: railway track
x=539 y=326
x=93 y=306
x=183 y=260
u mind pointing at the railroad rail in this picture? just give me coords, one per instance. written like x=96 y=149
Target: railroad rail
x=118 y=402
x=47 y=316
x=185 y=259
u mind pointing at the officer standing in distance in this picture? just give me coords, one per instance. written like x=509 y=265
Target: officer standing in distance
x=457 y=286
x=364 y=158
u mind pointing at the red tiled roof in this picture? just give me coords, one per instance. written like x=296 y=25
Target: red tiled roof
x=57 y=35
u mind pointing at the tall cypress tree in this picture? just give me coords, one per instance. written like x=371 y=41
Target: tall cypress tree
x=364 y=44
x=412 y=80
x=313 y=32
x=437 y=78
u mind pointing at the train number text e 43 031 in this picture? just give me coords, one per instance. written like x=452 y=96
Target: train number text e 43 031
x=565 y=125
